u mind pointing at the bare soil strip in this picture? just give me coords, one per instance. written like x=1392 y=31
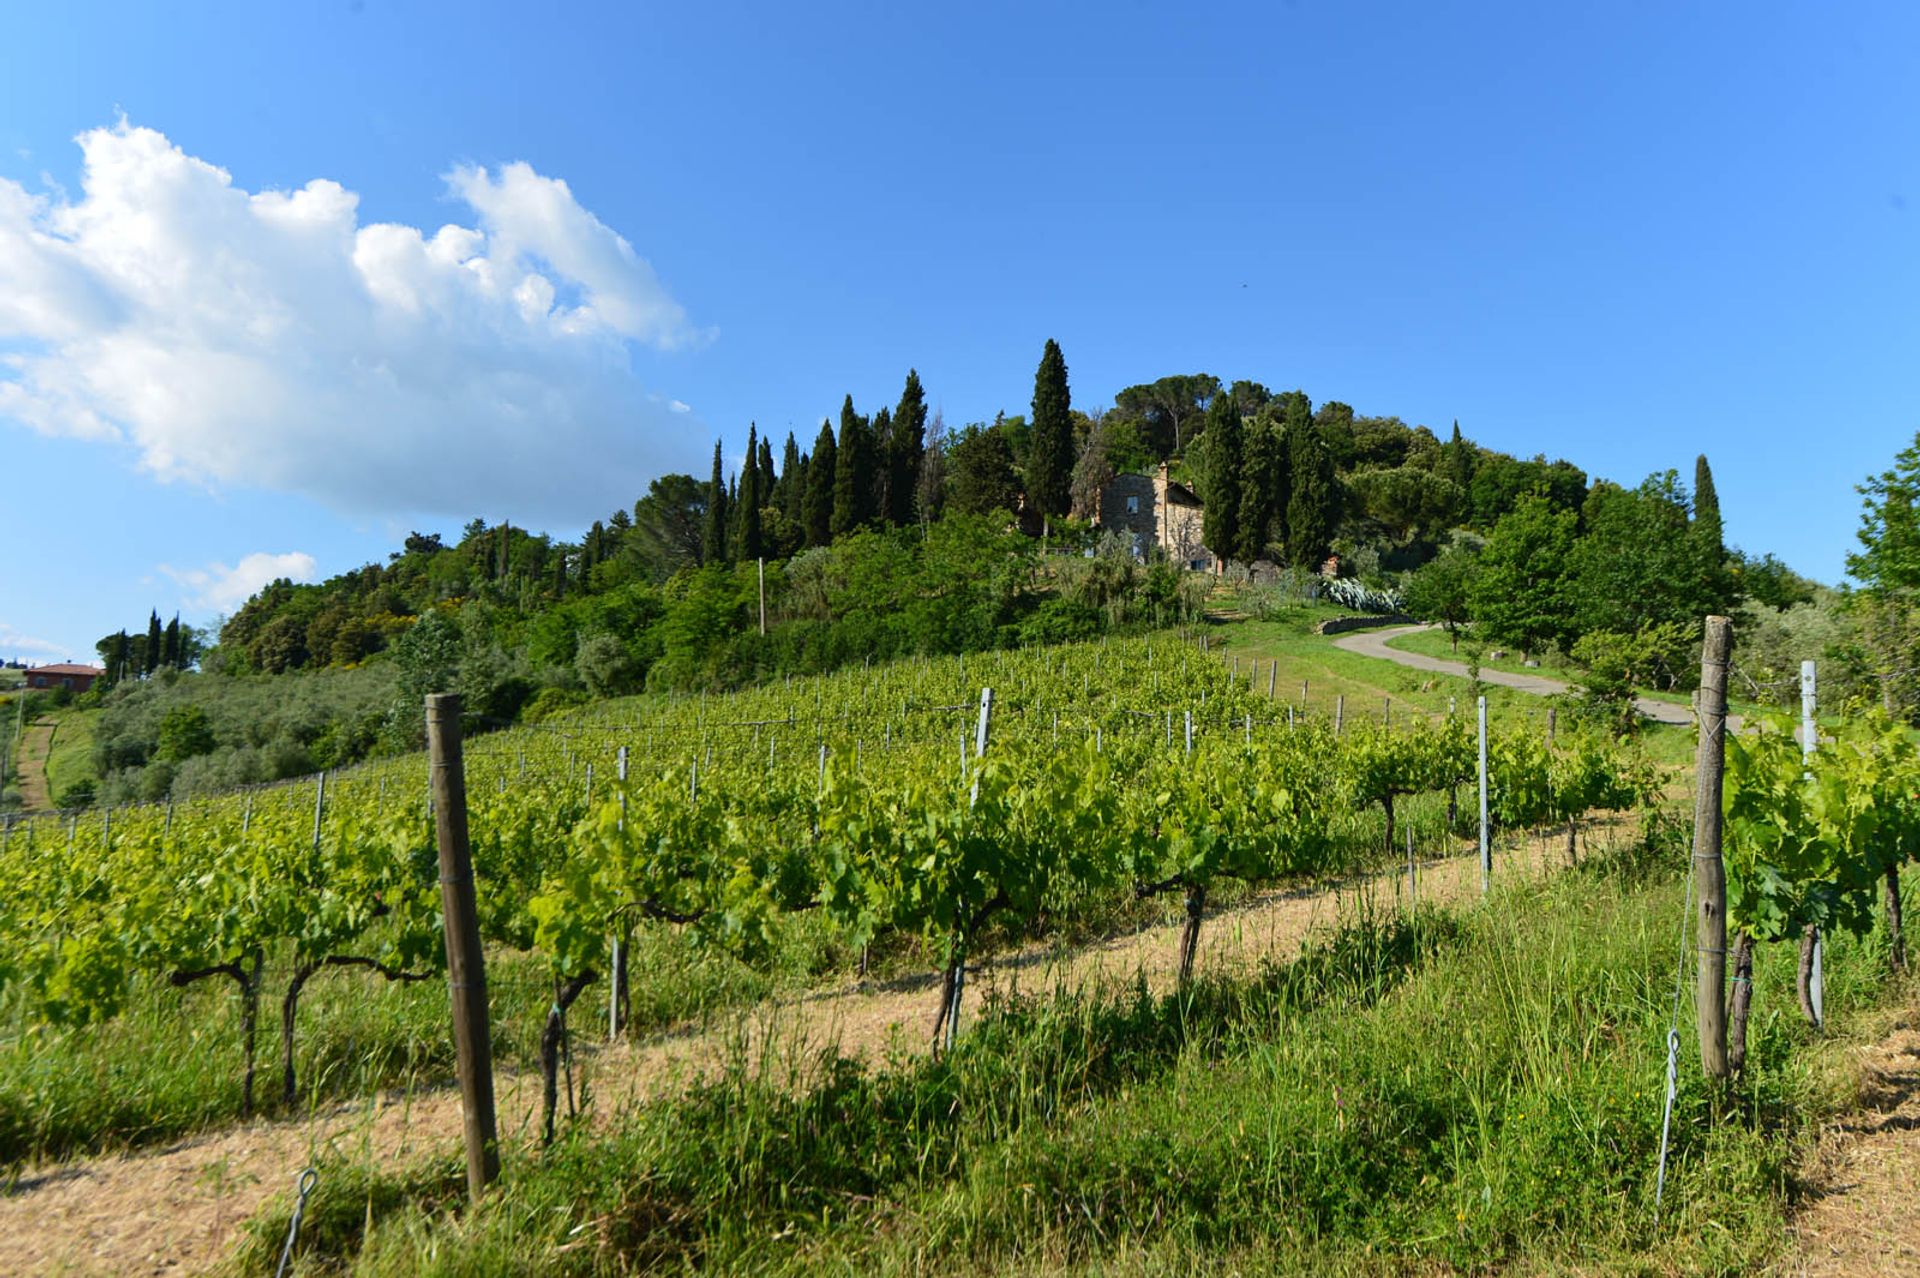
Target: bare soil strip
x=1862 y=1215
x=176 y=1209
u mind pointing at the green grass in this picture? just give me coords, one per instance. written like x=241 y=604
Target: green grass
x=72 y=759
x=1452 y=1093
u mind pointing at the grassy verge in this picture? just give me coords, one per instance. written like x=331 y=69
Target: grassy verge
x=1431 y=1094
x=71 y=761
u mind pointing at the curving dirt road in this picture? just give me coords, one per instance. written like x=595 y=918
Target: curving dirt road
x=1373 y=643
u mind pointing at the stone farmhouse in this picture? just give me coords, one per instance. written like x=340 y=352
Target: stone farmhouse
x=1160 y=514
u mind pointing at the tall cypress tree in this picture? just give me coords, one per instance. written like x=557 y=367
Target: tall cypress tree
x=908 y=450
x=170 y=644
x=1313 y=505
x=793 y=485
x=747 y=541
x=150 y=659
x=1220 y=477
x=822 y=478
x=713 y=534
x=880 y=443
x=1050 y=462
x=1456 y=461
x=852 y=473
x=1708 y=534
x=1262 y=488
x=767 y=477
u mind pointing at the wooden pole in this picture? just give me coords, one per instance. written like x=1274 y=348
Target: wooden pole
x=763 y=594
x=466 y=969
x=1339 y=712
x=1709 y=872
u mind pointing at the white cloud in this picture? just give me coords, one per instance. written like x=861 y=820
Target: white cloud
x=218 y=588
x=15 y=644
x=269 y=339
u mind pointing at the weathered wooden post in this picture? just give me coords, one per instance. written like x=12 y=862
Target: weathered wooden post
x=1709 y=871
x=1486 y=845
x=466 y=969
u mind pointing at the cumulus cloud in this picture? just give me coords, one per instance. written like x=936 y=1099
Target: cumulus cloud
x=14 y=643
x=270 y=339
x=219 y=588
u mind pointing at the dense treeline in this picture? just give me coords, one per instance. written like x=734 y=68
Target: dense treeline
x=890 y=534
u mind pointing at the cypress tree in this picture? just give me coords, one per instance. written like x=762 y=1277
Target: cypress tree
x=1313 y=505
x=793 y=484
x=1220 y=477
x=852 y=472
x=768 y=481
x=713 y=533
x=1050 y=463
x=122 y=653
x=880 y=443
x=908 y=450
x=1262 y=488
x=506 y=549
x=1708 y=534
x=170 y=644
x=1456 y=461
x=150 y=659
x=822 y=478
x=752 y=495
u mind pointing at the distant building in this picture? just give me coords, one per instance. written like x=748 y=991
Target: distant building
x=78 y=678
x=1160 y=515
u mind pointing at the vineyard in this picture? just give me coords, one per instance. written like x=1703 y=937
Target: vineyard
x=910 y=818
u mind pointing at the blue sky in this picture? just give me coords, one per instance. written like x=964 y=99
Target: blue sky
x=1624 y=234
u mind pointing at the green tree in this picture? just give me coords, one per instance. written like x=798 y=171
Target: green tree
x=753 y=486
x=1263 y=487
x=1220 y=480
x=791 y=491
x=184 y=733
x=822 y=480
x=1050 y=461
x=1888 y=560
x=667 y=528
x=1520 y=594
x=713 y=540
x=906 y=450
x=151 y=658
x=980 y=475
x=1456 y=461
x=1313 y=504
x=1442 y=590
x=853 y=472
x=1168 y=408
x=1636 y=563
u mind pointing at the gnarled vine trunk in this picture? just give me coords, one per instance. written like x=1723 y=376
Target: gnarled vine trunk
x=1742 y=1002
x=1896 y=941
x=1190 y=934
x=550 y=1037
x=1805 y=981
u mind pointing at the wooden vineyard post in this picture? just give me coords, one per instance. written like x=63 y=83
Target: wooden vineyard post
x=466 y=969
x=763 y=594
x=1709 y=872
x=1486 y=846
x=1339 y=712
x=1273 y=676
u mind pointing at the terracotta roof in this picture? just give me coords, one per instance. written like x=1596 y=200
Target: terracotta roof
x=67 y=669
